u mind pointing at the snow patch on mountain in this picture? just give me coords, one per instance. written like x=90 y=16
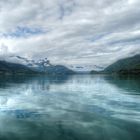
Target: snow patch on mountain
x=43 y=64
x=85 y=68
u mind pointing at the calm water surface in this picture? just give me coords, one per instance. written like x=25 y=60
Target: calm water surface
x=88 y=107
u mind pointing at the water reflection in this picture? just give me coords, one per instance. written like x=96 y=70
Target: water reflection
x=69 y=108
x=41 y=81
x=131 y=84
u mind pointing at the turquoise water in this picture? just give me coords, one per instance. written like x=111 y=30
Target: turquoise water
x=79 y=107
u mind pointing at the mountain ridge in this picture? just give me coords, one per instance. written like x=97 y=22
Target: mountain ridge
x=40 y=67
x=129 y=65
x=13 y=68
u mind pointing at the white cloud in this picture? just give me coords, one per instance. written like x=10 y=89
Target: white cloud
x=3 y=49
x=75 y=32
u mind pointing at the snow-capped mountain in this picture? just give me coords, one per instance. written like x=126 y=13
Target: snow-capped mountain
x=41 y=65
x=44 y=64
x=38 y=65
x=85 y=68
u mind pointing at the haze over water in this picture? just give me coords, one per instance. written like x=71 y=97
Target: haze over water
x=79 y=107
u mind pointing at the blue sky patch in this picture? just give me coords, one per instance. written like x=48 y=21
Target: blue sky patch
x=22 y=31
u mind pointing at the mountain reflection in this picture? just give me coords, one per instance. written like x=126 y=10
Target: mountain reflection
x=130 y=83
x=41 y=81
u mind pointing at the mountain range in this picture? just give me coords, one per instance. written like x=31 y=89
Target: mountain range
x=13 y=68
x=21 y=65
x=25 y=66
x=130 y=65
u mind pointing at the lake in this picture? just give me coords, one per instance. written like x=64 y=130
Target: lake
x=78 y=107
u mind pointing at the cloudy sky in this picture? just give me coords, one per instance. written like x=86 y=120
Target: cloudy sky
x=96 y=32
